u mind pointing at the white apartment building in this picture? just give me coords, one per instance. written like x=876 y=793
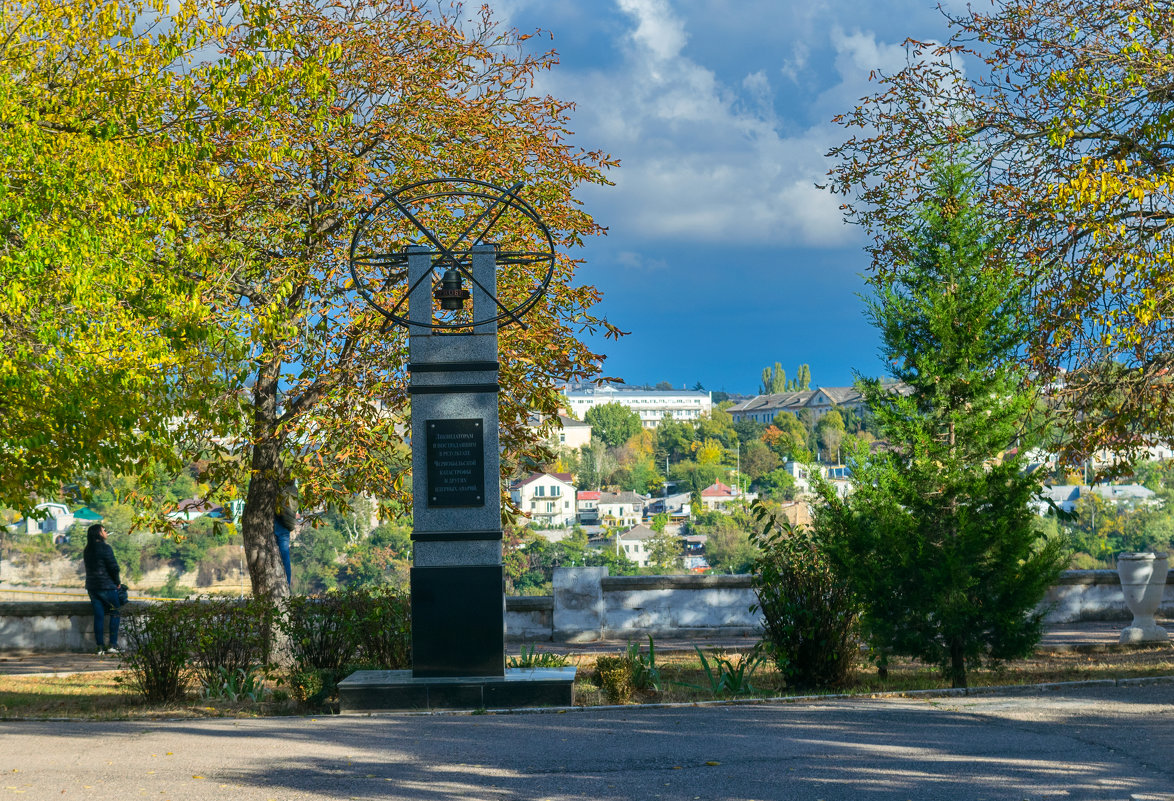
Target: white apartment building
x=650 y=404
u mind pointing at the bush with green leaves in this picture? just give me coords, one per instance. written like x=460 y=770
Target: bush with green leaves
x=332 y=633
x=383 y=620
x=309 y=686
x=229 y=636
x=614 y=673
x=236 y=685
x=809 y=612
x=157 y=642
x=321 y=634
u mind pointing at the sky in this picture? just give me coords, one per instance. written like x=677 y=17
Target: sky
x=722 y=256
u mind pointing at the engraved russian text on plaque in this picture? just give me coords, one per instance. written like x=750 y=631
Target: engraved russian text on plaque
x=455 y=452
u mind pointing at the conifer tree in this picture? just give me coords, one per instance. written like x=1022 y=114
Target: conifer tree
x=937 y=538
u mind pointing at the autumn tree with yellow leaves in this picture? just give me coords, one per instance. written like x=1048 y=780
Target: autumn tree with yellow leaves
x=101 y=156
x=1066 y=109
x=303 y=113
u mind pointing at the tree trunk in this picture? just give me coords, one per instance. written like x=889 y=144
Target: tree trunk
x=265 y=569
x=957 y=664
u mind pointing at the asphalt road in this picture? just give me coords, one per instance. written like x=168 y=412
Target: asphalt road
x=1074 y=743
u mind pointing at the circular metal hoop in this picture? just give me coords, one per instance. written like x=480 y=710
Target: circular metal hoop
x=471 y=209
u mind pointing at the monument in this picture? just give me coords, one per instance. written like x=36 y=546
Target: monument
x=410 y=257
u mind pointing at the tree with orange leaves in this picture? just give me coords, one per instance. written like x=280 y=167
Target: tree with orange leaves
x=366 y=96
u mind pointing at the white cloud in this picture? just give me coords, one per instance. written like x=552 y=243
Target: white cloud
x=658 y=30
x=710 y=153
x=638 y=261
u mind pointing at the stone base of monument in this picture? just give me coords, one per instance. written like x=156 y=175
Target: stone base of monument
x=398 y=690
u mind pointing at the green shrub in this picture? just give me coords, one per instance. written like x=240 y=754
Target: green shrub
x=235 y=685
x=157 y=638
x=729 y=675
x=229 y=636
x=331 y=632
x=615 y=677
x=321 y=632
x=383 y=625
x=308 y=686
x=809 y=613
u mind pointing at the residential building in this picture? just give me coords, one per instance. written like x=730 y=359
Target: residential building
x=587 y=503
x=189 y=509
x=620 y=509
x=1066 y=496
x=797 y=513
x=799 y=472
x=635 y=543
x=50 y=517
x=652 y=405
x=568 y=433
x=548 y=499
x=718 y=496
x=679 y=505
x=818 y=401
x=764 y=408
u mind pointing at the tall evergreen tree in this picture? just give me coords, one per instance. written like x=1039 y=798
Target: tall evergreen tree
x=938 y=537
x=774 y=380
x=802 y=377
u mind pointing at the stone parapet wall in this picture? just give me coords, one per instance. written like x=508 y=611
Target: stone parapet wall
x=1094 y=595
x=665 y=607
x=588 y=605
x=48 y=625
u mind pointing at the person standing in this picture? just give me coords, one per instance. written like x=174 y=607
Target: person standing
x=285 y=517
x=103 y=584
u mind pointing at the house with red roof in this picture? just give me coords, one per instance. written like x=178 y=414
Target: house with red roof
x=548 y=499
x=718 y=495
x=588 y=507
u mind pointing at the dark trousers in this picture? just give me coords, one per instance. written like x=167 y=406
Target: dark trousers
x=105 y=603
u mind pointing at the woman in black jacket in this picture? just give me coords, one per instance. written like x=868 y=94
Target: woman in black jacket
x=102 y=583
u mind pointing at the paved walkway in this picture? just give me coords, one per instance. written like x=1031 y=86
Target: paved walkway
x=1075 y=636
x=1089 y=743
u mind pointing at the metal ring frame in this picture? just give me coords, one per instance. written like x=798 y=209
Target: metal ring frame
x=497 y=201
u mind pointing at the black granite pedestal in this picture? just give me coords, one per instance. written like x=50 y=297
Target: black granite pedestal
x=398 y=690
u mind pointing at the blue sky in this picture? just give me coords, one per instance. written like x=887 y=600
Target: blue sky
x=722 y=256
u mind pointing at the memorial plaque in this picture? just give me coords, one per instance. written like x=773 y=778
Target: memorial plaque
x=455 y=453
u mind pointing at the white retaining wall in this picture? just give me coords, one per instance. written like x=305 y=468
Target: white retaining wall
x=589 y=605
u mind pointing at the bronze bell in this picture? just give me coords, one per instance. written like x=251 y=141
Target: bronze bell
x=451 y=294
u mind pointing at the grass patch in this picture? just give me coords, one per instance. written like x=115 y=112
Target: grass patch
x=685 y=681
x=104 y=695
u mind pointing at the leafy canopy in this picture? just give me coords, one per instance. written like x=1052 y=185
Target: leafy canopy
x=937 y=537
x=1069 y=120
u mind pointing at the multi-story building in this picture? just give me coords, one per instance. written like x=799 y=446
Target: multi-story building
x=588 y=503
x=546 y=498
x=568 y=434
x=636 y=543
x=622 y=509
x=650 y=404
x=819 y=401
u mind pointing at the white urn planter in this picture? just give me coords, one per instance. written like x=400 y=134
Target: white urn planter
x=1143 y=580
